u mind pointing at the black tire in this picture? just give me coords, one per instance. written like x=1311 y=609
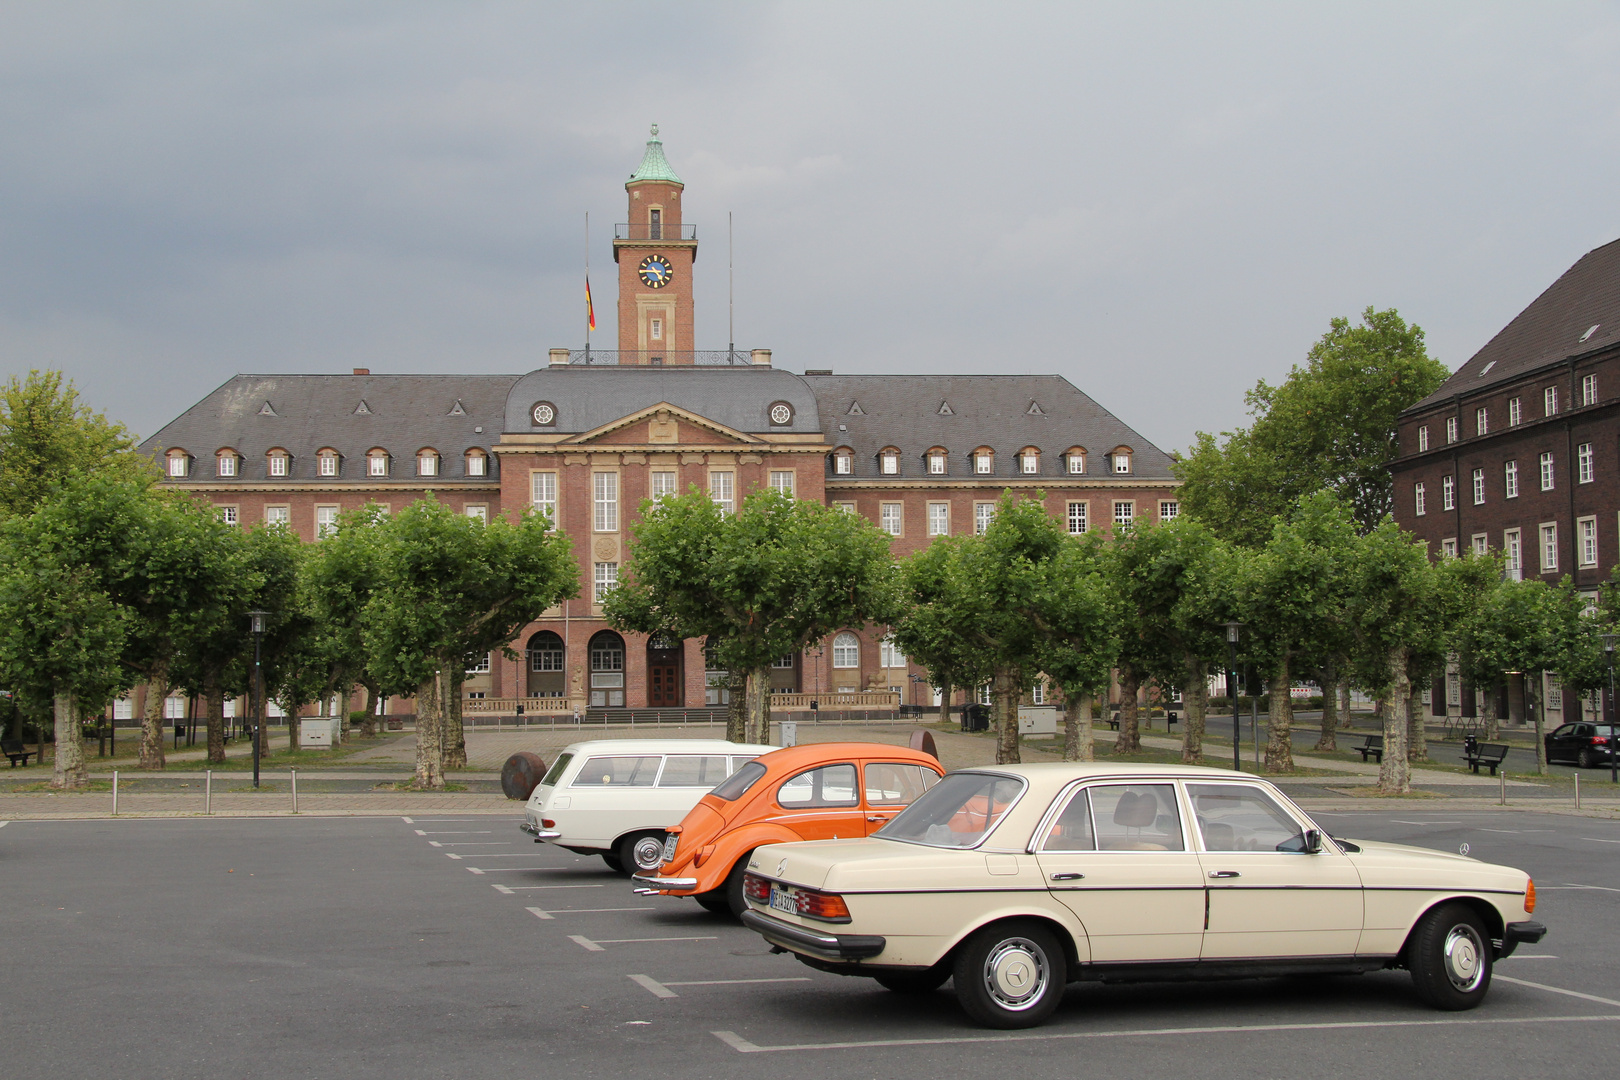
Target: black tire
x=1586 y=759
x=613 y=862
x=641 y=853
x=924 y=981
x=714 y=901
x=1010 y=975
x=1449 y=955
x=733 y=887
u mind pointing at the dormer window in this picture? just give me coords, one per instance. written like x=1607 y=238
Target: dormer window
x=984 y=461
x=225 y=463
x=1122 y=461
x=179 y=464
x=278 y=463
x=377 y=463
x=889 y=462
x=843 y=462
x=427 y=463
x=477 y=463
x=1075 y=461
x=1029 y=461
x=327 y=462
x=936 y=462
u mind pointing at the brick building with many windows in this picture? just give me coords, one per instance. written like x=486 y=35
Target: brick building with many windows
x=1518 y=452
x=590 y=436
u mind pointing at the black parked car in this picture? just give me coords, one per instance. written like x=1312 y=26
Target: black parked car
x=1587 y=745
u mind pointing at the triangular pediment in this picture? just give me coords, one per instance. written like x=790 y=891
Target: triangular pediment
x=665 y=413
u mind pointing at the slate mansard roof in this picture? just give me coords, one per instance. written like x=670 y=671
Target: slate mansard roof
x=253 y=414
x=1553 y=328
x=587 y=398
x=914 y=413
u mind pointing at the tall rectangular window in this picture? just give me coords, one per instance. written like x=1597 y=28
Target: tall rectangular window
x=475 y=464
x=1583 y=460
x=543 y=495
x=377 y=464
x=1448 y=493
x=936 y=464
x=1124 y=512
x=427 y=464
x=1169 y=510
x=720 y=490
x=278 y=464
x=178 y=465
x=982 y=463
x=1482 y=544
x=1515 y=414
x=889 y=518
x=230 y=515
x=1420 y=501
x=1482 y=421
x=607 y=579
x=1549 y=401
x=782 y=480
x=325 y=521
x=1030 y=462
x=655 y=329
x=1547 y=479
x=605 y=495
x=664 y=482
x=1077 y=518
x=328 y=464
x=277 y=515
x=890 y=655
x=1448 y=548
x=939 y=519
x=477 y=510
x=227 y=465
x=1512 y=555
x=1077 y=464
x=983 y=514
x=889 y=463
x=1589 y=390
x=1423 y=439
x=1451 y=429
x=1549 y=548
x=1510 y=479
x=1479 y=487
x=1586 y=533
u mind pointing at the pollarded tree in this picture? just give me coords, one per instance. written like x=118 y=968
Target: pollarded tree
x=770 y=580
x=928 y=627
x=338 y=582
x=1076 y=611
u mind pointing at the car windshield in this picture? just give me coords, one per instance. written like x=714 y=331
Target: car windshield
x=957 y=812
x=740 y=781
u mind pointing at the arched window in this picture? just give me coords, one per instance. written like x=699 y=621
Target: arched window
x=178 y=465
x=843 y=461
x=377 y=462
x=278 y=463
x=427 y=462
x=477 y=462
x=846 y=650
x=607 y=670
x=984 y=461
x=889 y=461
x=326 y=461
x=1075 y=461
x=1029 y=460
x=546 y=677
x=937 y=461
x=227 y=463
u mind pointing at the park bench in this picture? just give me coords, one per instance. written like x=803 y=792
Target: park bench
x=1113 y=720
x=16 y=752
x=1372 y=747
x=1487 y=754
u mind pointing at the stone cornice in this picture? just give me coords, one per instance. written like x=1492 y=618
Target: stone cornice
x=1051 y=483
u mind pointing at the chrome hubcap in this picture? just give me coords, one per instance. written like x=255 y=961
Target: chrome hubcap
x=1464 y=958
x=1015 y=973
x=649 y=853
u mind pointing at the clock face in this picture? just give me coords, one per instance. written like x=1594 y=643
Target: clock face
x=655 y=271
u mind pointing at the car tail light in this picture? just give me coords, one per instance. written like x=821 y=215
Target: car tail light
x=756 y=888
x=829 y=907
x=1599 y=740
x=1530 y=896
x=547 y=823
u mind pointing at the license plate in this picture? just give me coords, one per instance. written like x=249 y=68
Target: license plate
x=784 y=900
x=669 y=846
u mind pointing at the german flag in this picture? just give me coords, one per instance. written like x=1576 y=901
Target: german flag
x=590 y=309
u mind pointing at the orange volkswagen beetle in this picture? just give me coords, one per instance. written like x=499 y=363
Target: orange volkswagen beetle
x=822 y=791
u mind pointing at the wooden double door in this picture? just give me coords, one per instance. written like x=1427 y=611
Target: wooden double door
x=665 y=686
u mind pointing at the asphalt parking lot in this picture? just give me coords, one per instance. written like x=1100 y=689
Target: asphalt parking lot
x=452 y=946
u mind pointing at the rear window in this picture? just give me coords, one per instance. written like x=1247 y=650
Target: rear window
x=618 y=771
x=741 y=780
x=693 y=770
x=558 y=767
x=957 y=812
x=829 y=785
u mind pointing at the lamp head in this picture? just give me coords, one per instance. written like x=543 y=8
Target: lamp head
x=1232 y=629
x=256 y=621
x=1608 y=642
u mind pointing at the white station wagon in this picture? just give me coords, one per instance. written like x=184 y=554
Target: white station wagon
x=1016 y=880
x=615 y=797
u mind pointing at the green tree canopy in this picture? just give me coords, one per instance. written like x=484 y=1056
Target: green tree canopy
x=47 y=435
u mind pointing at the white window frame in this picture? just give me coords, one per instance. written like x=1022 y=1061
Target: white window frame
x=939 y=519
x=1515 y=412
x=605 y=502
x=936 y=464
x=1513 y=554
x=1583 y=463
x=655 y=329
x=1029 y=463
x=1482 y=421
x=477 y=510
x=782 y=480
x=1077 y=464
x=179 y=466
x=1076 y=515
x=889 y=463
x=1423 y=439
x=427 y=463
x=1479 y=487
x=722 y=489
x=225 y=465
x=478 y=464
x=1169 y=510
x=1510 y=479
x=280 y=514
x=843 y=464
x=278 y=464
x=1586 y=541
x=1448 y=547
x=890 y=656
x=1420 y=499
x=891 y=517
x=606 y=579
x=983 y=514
x=1549 y=401
x=482 y=667
x=543 y=494
x=1124 y=512
x=1448 y=493
x=984 y=463
x=377 y=464
x=1548 y=533
x=230 y=515
x=1451 y=430
x=1481 y=543
x=846 y=651
x=1549 y=474
x=1122 y=464
x=326 y=463
x=664 y=482
x=326 y=516
x=1589 y=394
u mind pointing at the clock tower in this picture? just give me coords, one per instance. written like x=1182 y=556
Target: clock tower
x=655 y=253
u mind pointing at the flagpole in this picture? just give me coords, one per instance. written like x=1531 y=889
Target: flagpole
x=587 y=287
x=731 y=297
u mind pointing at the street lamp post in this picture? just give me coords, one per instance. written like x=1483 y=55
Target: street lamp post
x=256 y=686
x=1232 y=629
x=1614 y=751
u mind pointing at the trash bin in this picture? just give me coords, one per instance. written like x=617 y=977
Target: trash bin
x=976 y=717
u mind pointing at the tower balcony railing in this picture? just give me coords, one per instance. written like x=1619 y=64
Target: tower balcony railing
x=647 y=230
x=664 y=357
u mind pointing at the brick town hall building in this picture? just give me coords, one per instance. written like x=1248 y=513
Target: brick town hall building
x=589 y=436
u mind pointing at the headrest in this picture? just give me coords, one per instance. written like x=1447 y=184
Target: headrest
x=1136 y=810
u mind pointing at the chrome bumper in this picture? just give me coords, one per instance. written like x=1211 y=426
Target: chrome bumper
x=652 y=884
x=802 y=940
x=538 y=833
x=1515 y=932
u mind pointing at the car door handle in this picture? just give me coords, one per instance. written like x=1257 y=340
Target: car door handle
x=1067 y=877
x=1224 y=873
x=877 y=817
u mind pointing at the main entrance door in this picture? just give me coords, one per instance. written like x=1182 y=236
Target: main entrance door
x=665 y=687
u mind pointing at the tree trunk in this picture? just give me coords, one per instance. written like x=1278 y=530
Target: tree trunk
x=1088 y=734
x=1071 y=726
x=1417 y=741
x=1395 y=774
x=1280 y=723
x=1487 y=710
x=945 y=691
x=455 y=732
x=1195 y=696
x=69 y=773
x=214 y=695
x=1535 y=703
x=736 y=707
x=157 y=690
x=1130 y=735
x=1344 y=703
x=1330 y=714
x=368 y=726
x=429 y=750
x=1005 y=687
x=294 y=722
x=758 y=691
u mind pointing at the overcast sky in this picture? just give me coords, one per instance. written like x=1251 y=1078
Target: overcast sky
x=1163 y=203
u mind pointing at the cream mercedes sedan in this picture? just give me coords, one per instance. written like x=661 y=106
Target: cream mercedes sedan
x=1015 y=880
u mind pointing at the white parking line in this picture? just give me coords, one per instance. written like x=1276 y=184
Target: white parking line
x=542 y=913
x=453 y=832
x=662 y=990
x=470 y=843
x=1401 y=821
x=1596 y=840
x=596 y=946
x=1598 y=888
x=1559 y=990
x=520 y=888
x=408 y=821
x=507 y=870
x=539 y=913
x=496 y=854
x=743 y=1046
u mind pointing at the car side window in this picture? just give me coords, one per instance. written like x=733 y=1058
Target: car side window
x=830 y=785
x=692 y=770
x=1072 y=830
x=892 y=784
x=1137 y=817
x=618 y=772
x=1237 y=817
x=1563 y=731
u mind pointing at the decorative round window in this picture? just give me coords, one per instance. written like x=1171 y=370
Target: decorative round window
x=781 y=413
x=545 y=414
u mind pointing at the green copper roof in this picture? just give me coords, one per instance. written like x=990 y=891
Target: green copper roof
x=654 y=166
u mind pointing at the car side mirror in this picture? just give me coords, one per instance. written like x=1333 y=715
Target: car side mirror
x=1313 y=842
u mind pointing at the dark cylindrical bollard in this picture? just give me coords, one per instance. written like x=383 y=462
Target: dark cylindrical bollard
x=522 y=774
x=924 y=741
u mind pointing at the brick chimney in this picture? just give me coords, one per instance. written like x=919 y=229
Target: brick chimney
x=362 y=371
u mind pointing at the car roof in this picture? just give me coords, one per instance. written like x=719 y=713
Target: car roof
x=665 y=746
x=793 y=757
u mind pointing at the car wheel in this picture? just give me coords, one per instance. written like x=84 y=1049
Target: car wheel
x=642 y=852
x=1010 y=975
x=925 y=981
x=715 y=901
x=613 y=862
x=1449 y=955
x=1586 y=759
x=733 y=886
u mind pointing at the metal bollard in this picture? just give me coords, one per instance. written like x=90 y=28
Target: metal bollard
x=1577 y=791
x=208 y=791
x=115 y=793
x=295 y=790
x=1501 y=787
